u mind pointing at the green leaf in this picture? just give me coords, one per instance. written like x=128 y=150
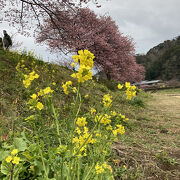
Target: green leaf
x=20 y=144
x=32 y=147
x=6 y=168
x=3 y=154
x=27 y=155
x=7 y=177
x=18 y=168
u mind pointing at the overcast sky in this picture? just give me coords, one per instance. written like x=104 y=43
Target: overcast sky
x=148 y=22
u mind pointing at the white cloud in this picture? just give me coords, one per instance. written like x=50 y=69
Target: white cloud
x=148 y=22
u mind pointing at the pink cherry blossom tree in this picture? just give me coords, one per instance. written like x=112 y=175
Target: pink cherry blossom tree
x=29 y=14
x=65 y=26
x=83 y=29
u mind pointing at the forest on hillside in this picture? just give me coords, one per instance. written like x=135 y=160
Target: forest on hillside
x=162 y=61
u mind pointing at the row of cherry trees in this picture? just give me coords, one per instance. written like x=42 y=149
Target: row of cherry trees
x=65 y=26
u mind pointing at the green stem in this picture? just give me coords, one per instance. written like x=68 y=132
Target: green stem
x=77 y=94
x=12 y=172
x=80 y=103
x=43 y=164
x=86 y=178
x=78 y=169
x=57 y=123
x=75 y=115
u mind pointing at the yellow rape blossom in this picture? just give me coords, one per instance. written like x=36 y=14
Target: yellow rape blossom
x=73 y=64
x=47 y=90
x=131 y=91
x=29 y=78
x=85 y=60
x=81 y=121
x=66 y=86
x=127 y=84
x=113 y=113
x=16 y=160
x=39 y=106
x=109 y=127
x=78 y=130
x=104 y=165
x=34 y=96
x=106 y=119
x=119 y=130
x=83 y=74
x=86 y=96
x=9 y=159
x=92 y=110
x=124 y=166
x=107 y=100
x=99 y=169
x=74 y=90
x=120 y=86
x=14 y=152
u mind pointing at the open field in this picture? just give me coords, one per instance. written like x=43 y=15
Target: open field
x=151 y=149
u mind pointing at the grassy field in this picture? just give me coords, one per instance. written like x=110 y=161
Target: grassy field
x=150 y=149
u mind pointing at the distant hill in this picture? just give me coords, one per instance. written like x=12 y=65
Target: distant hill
x=162 y=61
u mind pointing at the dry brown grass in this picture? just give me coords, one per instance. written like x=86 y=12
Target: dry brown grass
x=151 y=150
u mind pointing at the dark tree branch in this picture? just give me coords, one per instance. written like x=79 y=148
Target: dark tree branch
x=36 y=15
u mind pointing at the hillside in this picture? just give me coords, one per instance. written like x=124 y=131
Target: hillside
x=13 y=96
x=162 y=61
x=149 y=148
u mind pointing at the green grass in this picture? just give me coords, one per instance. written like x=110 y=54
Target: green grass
x=169 y=91
x=149 y=149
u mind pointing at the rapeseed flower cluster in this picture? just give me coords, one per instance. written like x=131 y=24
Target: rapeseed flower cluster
x=105 y=119
x=81 y=121
x=85 y=60
x=107 y=100
x=82 y=140
x=131 y=91
x=123 y=117
x=113 y=113
x=74 y=89
x=100 y=168
x=29 y=78
x=66 y=86
x=92 y=111
x=120 y=86
x=34 y=101
x=120 y=129
x=107 y=125
x=19 y=65
x=40 y=106
x=13 y=157
x=45 y=91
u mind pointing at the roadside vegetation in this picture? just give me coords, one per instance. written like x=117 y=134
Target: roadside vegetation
x=54 y=126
